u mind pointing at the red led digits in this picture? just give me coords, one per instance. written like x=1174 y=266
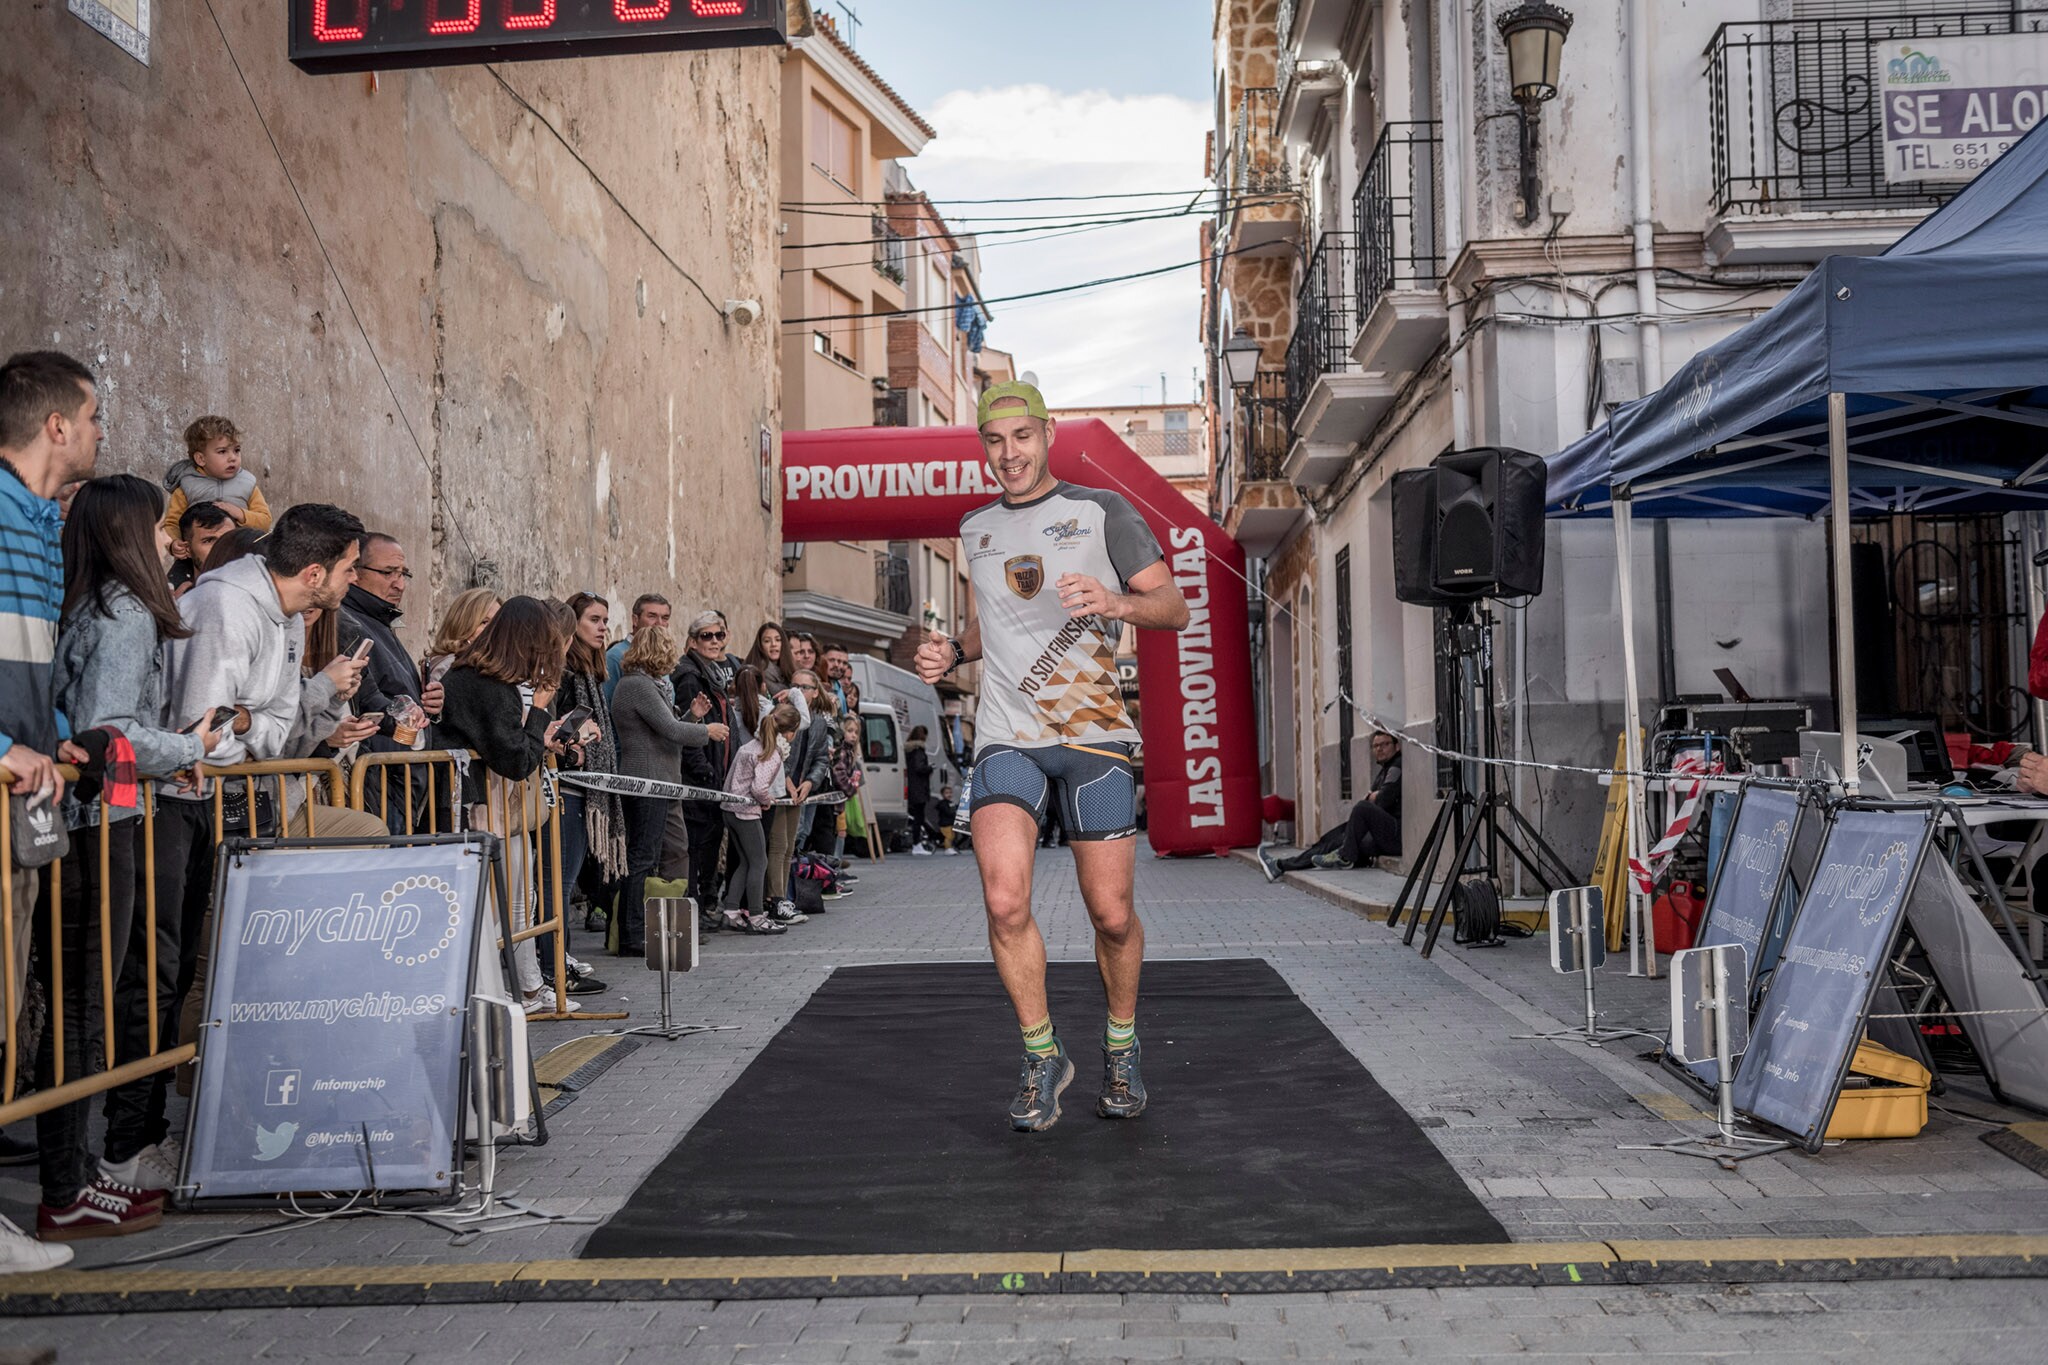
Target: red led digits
x=473 y=12
x=325 y=30
x=544 y=17
x=717 y=9
x=626 y=12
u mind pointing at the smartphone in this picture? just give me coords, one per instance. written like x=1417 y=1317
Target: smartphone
x=219 y=717
x=573 y=722
x=362 y=650
x=371 y=715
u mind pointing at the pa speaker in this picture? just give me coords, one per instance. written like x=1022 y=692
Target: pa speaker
x=1469 y=526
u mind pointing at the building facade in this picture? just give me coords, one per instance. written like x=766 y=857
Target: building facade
x=1413 y=289
x=416 y=294
x=1171 y=437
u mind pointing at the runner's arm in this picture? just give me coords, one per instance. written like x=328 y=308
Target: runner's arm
x=935 y=655
x=1152 y=600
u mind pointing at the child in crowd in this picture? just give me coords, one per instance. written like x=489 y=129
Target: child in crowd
x=201 y=525
x=212 y=472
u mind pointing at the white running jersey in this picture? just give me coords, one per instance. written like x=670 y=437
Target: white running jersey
x=1048 y=678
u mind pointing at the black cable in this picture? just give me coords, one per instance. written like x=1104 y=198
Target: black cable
x=320 y=242
x=1055 y=227
x=1070 y=214
x=1021 y=199
x=1015 y=298
x=601 y=183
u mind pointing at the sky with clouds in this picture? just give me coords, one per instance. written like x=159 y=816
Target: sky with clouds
x=1023 y=109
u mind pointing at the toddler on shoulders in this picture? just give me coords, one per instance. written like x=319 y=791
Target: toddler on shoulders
x=212 y=472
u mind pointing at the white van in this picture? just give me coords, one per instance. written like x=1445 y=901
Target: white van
x=906 y=701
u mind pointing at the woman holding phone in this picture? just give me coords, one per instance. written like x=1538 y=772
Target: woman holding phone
x=651 y=739
x=496 y=702
x=117 y=612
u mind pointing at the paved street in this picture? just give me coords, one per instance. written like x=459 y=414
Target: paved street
x=1530 y=1125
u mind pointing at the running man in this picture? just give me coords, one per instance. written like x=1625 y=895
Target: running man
x=1056 y=569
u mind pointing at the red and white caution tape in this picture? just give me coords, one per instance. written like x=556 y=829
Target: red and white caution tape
x=1688 y=773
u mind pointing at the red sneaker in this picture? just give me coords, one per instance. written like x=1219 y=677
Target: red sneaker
x=99 y=1211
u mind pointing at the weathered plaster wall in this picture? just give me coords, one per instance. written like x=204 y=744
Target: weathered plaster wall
x=584 y=417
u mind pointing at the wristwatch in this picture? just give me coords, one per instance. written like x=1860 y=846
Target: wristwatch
x=959 y=656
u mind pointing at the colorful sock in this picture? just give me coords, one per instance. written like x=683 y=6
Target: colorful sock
x=1038 y=1039
x=1120 y=1033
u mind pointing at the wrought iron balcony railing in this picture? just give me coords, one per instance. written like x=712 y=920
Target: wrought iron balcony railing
x=1795 y=112
x=890 y=257
x=1258 y=158
x=1397 y=213
x=1325 y=317
x=1261 y=430
x=892 y=583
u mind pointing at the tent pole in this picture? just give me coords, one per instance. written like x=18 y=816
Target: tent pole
x=1845 y=621
x=1639 y=919
x=2032 y=542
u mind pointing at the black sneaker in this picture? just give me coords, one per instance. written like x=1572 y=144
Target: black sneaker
x=786 y=912
x=1269 y=864
x=1123 y=1090
x=1039 y=1086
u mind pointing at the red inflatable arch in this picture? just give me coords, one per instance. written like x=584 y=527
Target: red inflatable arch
x=1201 y=751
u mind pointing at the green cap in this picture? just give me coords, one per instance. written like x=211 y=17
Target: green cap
x=1034 y=402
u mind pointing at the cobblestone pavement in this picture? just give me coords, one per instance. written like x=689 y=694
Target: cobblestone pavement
x=1531 y=1126
x=1924 y=1322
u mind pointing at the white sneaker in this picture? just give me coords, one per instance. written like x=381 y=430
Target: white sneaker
x=950 y=852
x=21 y=1254
x=153 y=1169
x=578 y=968
x=920 y=851
x=544 y=1003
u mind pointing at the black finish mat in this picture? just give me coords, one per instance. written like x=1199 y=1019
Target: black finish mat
x=875 y=1123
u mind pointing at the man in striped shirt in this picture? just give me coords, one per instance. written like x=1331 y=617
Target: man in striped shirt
x=49 y=435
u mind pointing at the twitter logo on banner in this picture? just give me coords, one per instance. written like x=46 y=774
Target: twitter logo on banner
x=272 y=1143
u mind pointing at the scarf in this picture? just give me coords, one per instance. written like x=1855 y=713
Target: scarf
x=604 y=819
x=109 y=768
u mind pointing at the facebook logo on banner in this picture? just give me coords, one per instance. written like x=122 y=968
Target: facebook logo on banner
x=281 y=1088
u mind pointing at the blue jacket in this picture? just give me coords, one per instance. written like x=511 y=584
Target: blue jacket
x=31 y=600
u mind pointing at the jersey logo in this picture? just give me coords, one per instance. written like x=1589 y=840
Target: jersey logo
x=983 y=545
x=1026 y=575
x=1070 y=529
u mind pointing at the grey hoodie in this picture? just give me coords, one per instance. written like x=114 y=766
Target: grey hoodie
x=110 y=672
x=244 y=651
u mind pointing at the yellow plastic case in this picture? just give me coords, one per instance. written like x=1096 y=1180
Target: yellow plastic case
x=1894 y=1105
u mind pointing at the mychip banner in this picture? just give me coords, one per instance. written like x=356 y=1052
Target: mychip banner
x=1748 y=890
x=1836 y=951
x=1951 y=106
x=331 y=1056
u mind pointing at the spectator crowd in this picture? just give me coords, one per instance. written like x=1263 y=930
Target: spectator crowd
x=147 y=629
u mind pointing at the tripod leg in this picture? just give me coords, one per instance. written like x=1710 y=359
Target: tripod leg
x=1443 y=900
x=1419 y=873
x=1566 y=877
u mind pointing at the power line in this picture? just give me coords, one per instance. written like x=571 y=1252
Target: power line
x=1016 y=298
x=1048 y=235
x=350 y=303
x=1068 y=216
x=611 y=194
x=1145 y=216
x=1025 y=199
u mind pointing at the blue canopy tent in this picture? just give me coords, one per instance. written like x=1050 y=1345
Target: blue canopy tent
x=1904 y=382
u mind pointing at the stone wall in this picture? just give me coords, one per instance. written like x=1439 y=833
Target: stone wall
x=508 y=373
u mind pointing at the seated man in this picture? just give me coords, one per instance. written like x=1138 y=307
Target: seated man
x=1372 y=830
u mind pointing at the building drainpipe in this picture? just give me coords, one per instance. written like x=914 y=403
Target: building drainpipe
x=1452 y=41
x=1649 y=337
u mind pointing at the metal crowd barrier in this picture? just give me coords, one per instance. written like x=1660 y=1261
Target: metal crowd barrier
x=368 y=788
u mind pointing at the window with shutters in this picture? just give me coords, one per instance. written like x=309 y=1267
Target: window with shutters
x=835 y=146
x=835 y=326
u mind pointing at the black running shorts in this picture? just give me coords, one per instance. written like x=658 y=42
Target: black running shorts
x=1092 y=782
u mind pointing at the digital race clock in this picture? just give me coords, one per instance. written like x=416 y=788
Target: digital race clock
x=382 y=35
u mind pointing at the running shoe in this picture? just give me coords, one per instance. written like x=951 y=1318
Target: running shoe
x=1269 y=865
x=1039 y=1086
x=920 y=851
x=1331 y=862
x=1123 y=1089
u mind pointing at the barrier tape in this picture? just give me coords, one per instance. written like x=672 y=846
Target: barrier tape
x=1691 y=770
x=622 y=785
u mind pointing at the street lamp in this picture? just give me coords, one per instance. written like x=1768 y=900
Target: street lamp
x=1535 y=34
x=1241 y=359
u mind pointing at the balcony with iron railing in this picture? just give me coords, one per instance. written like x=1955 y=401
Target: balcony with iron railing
x=890 y=256
x=1797 y=135
x=1307 y=70
x=1257 y=207
x=1397 y=211
x=1259 y=506
x=1331 y=402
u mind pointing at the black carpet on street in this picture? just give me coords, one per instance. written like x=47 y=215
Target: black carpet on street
x=874 y=1123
